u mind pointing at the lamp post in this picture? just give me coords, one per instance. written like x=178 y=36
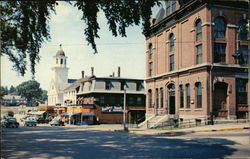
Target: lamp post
x=124 y=112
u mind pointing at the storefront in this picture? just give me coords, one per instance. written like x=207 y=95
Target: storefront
x=79 y=115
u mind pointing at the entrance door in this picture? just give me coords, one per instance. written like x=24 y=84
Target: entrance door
x=220 y=99
x=172 y=102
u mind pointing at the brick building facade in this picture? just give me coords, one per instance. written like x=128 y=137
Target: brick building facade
x=196 y=60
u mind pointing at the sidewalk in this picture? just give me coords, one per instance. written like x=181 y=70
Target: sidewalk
x=206 y=128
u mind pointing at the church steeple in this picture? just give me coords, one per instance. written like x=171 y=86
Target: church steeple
x=59 y=78
x=60 y=58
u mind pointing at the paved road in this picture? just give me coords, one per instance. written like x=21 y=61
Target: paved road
x=78 y=142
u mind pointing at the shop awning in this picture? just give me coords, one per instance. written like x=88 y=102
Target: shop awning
x=66 y=113
x=88 y=114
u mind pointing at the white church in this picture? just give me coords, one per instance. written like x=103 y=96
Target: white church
x=59 y=79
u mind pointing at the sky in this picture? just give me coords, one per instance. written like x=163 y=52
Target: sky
x=67 y=28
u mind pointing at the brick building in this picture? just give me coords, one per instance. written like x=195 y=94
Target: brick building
x=196 y=60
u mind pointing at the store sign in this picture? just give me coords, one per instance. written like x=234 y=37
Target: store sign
x=111 y=109
x=87 y=100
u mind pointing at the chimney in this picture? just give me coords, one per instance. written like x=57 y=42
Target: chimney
x=82 y=74
x=119 y=72
x=92 y=71
x=113 y=75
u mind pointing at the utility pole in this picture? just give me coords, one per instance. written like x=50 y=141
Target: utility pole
x=124 y=112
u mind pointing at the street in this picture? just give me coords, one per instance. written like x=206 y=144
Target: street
x=83 y=142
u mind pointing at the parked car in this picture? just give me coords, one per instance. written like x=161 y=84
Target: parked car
x=11 y=123
x=24 y=118
x=3 y=123
x=30 y=122
x=56 y=122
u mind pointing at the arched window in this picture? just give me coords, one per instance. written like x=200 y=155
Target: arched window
x=242 y=30
x=61 y=61
x=219 y=28
x=198 y=92
x=156 y=98
x=150 y=104
x=161 y=97
x=187 y=96
x=171 y=38
x=198 y=30
x=150 y=48
x=56 y=61
x=181 y=97
x=168 y=7
x=173 y=6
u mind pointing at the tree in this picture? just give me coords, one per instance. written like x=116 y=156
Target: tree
x=24 y=24
x=44 y=95
x=3 y=91
x=30 y=90
x=12 y=90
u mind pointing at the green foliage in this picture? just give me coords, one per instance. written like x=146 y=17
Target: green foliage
x=44 y=95
x=12 y=90
x=24 y=24
x=3 y=91
x=30 y=90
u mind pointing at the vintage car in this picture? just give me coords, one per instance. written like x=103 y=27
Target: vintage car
x=56 y=122
x=11 y=123
x=30 y=122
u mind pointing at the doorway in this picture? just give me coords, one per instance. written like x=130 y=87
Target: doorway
x=220 y=99
x=171 y=98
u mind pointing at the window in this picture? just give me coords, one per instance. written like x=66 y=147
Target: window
x=139 y=101
x=90 y=84
x=181 y=97
x=107 y=85
x=168 y=7
x=150 y=98
x=138 y=86
x=242 y=30
x=112 y=100
x=56 y=61
x=171 y=68
x=150 y=48
x=131 y=101
x=61 y=61
x=187 y=96
x=241 y=91
x=102 y=100
x=122 y=85
x=198 y=93
x=198 y=30
x=150 y=69
x=171 y=38
x=173 y=6
x=161 y=97
x=219 y=28
x=122 y=100
x=156 y=98
x=82 y=86
x=219 y=52
x=243 y=49
x=199 y=54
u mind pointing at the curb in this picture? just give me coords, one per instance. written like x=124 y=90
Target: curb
x=169 y=132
